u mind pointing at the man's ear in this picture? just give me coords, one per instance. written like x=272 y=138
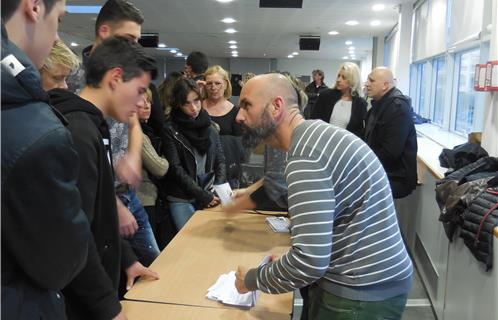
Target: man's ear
x=114 y=77
x=104 y=31
x=32 y=9
x=278 y=108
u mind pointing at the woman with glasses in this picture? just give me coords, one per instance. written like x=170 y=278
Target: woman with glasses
x=217 y=91
x=193 y=150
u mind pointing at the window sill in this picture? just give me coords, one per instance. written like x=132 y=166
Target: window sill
x=431 y=141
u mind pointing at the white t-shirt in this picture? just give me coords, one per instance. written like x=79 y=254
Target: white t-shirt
x=341 y=114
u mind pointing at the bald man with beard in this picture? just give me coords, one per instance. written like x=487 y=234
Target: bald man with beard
x=346 y=245
x=390 y=132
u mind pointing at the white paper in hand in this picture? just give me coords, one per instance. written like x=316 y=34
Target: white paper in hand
x=225 y=292
x=224 y=192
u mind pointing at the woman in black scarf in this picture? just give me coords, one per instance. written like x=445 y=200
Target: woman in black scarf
x=192 y=147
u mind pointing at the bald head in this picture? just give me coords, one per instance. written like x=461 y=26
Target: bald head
x=271 y=85
x=380 y=81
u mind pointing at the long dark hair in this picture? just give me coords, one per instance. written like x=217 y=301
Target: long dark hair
x=181 y=89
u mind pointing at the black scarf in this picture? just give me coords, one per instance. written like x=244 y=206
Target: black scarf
x=195 y=130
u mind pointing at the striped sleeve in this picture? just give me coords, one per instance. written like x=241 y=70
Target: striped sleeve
x=311 y=209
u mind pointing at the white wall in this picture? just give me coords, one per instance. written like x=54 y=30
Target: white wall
x=301 y=67
x=254 y=65
x=490 y=132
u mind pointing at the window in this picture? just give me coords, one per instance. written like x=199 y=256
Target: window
x=465 y=105
x=419 y=86
x=439 y=93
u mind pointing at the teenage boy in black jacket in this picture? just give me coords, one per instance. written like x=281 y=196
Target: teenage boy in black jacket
x=44 y=231
x=117 y=75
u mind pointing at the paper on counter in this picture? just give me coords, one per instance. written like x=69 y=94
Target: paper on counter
x=224 y=290
x=224 y=192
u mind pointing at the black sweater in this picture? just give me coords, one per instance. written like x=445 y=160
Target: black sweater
x=93 y=293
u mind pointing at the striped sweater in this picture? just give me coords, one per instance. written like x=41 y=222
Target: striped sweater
x=344 y=231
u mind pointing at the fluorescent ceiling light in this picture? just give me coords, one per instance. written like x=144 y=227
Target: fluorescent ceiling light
x=349 y=42
x=333 y=33
x=232 y=42
x=228 y=20
x=230 y=30
x=233 y=46
x=179 y=54
x=375 y=23
x=345 y=57
x=74 y=44
x=235 y=52
x=161 y=45
x=83 y=9
x=290 y=56
x=295 y=53
x=351 y=48
x=173 y=51
x=224 y=1
x=352 y=22
x=378 y=7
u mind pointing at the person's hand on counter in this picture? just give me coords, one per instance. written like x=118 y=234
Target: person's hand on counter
x=240 y=276
x=137 y=270
x=241 y=200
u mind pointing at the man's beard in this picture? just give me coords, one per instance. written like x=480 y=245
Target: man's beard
x=251 y=137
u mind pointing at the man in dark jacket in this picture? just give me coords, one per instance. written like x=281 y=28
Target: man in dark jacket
x=390 y=131
x=117 y=75
x=44 y=231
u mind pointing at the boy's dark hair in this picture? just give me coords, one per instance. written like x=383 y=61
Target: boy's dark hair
x=10 y=6
x=119 y=52
x=181 y=89
x=115 y=11
x=198 y=61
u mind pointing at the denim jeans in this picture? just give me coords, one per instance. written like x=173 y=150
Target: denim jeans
x=324 y=305
x=181 y=213
x=143 y=241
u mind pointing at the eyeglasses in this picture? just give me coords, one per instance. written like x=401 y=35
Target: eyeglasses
x=214 y=84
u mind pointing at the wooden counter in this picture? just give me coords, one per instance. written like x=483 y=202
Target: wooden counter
x=210 y=244
x=135 y=310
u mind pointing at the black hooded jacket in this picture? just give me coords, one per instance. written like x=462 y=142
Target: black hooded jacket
x=391 y=134
x=44 y=231
x=93 y=294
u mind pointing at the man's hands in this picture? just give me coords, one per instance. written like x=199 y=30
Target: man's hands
x=240 y=276
x=127 y=171
x=137 y=270
x=127 y=222
x=214 y=202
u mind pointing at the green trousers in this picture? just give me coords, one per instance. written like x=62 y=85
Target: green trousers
x=324 y=305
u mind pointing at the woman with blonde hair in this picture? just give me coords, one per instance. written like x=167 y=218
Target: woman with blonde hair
x=59 y=65
x=217 y=91
x=343 y=105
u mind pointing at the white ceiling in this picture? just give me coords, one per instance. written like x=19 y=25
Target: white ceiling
x=262 y=33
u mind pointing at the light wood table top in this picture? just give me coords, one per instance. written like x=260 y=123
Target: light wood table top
x=210 y=244
x=219 y=208
x=135 y=310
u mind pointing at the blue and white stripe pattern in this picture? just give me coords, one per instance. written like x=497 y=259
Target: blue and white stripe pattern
x=345 y=234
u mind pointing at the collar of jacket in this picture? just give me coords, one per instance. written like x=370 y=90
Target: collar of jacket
x=21 y=81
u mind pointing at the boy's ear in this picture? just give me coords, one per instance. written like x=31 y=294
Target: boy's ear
x=32 y=9
x=114 y=77
x=104 y=31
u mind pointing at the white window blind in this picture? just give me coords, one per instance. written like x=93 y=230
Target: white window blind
x=466 y=20
x=430 y=29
